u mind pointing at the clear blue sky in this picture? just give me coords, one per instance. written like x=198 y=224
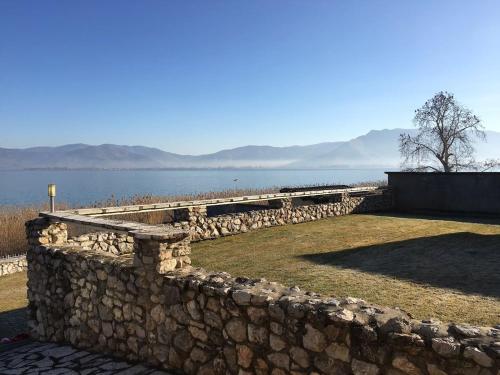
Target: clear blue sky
x=198 y=76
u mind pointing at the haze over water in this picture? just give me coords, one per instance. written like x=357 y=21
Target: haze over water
x=85 y=187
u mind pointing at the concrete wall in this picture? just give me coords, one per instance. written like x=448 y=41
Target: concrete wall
x=463 y=192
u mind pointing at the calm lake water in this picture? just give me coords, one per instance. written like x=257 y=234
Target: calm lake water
x=84 y=187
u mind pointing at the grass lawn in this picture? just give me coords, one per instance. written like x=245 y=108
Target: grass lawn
x=13 y=291
x=13 y=304
x=431 y=267
x=438 y=268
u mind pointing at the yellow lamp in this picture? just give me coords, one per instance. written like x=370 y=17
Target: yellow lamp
x=52 y=195
x=52 y=190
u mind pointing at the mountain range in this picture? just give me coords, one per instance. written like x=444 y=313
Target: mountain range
x=376 y=149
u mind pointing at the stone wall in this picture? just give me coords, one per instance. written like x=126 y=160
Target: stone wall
x=281 y=212
x=114 y=243
x=14 y=264
x=151 y=306
x=203 y=227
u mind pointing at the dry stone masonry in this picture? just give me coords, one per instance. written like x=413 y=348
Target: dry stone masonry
x=152 y=306
x=204 y=227
x=283 y=211
x=14 y=264
x=114 y=243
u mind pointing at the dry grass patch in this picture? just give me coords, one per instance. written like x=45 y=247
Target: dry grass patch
x=13 y=292
x=430 y=267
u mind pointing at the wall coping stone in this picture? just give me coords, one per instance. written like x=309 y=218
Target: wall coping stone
x=138 y=230
x=103 y=211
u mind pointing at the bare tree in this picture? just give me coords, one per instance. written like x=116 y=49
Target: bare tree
x=488 y=164
x=444 y=141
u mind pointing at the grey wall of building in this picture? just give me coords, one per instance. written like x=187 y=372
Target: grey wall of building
x=464 y=192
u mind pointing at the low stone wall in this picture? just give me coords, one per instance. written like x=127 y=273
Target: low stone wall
x=281 y=212
x=202 y=227
x=151 y=306
x=13 y=264
x=110 y=242
x=114 y=243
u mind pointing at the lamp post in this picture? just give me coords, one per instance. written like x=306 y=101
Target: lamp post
x=52 y=196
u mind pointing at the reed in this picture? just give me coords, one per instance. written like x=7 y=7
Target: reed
x=12 y=235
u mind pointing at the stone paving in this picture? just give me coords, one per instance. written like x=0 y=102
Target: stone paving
x=47 y=358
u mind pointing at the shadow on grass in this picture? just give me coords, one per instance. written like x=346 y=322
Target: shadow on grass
x=466 y=262
x=13 y=322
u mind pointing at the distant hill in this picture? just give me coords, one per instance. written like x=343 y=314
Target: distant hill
x=78 y=156
x=264 y=156
x=377 y=148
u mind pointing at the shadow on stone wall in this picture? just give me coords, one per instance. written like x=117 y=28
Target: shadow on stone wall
x=467 y=262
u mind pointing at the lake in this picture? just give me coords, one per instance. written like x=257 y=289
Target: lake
x=84 y=187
